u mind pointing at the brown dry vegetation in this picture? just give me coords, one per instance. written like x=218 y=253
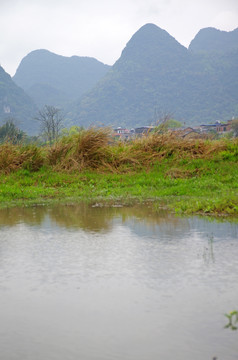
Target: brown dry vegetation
x=15 y=157
x=95 y=149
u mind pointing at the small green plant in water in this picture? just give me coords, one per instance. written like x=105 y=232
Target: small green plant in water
x=233 y=319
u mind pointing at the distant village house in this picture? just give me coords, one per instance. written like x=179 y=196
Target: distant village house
x=217 y=127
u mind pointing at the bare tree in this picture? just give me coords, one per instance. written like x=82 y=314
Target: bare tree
x=51 y=122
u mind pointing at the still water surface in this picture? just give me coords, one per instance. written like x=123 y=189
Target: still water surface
x=91 y=283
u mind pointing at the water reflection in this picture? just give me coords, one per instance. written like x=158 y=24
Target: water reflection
x=14 y=216
x=208 y=253
x=89 y=282
x=141 y=218
x=86 y=217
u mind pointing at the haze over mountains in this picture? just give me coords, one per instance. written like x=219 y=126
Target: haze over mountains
x=157 y=75
x=53 y=79
x=15 y=103
x=154 y=75
x=211 y=40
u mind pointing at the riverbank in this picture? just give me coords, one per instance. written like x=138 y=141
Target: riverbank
x=212 y=189
x=187 y=177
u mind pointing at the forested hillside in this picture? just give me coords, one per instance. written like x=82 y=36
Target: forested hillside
x=54 y=79
x=210 y=40
x=156 y=75
x=16 y=104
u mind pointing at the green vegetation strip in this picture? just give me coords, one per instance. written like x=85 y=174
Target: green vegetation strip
x=185 y=176
x=197 y=186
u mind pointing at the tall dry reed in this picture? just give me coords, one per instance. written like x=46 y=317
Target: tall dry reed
x=16 y=157
x=88 y=149
x=95 y=149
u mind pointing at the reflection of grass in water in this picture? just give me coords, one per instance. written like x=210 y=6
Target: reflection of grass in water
x=208 y=254
x=89 y=217
x=29 y=215
x=233 y=320
x=82 y=216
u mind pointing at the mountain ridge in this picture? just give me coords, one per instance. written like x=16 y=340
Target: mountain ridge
x=41 y=70
x=154 y=75
x=16 y=104
x=214 y=40
x=158 y=75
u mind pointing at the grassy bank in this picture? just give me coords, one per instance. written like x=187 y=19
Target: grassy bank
x=187 y=176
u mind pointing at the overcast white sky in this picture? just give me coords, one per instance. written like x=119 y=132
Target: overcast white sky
x=101 y=28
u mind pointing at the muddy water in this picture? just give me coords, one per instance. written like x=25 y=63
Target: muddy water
x=81 y=282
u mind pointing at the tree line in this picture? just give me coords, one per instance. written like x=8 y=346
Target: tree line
x=51 y=125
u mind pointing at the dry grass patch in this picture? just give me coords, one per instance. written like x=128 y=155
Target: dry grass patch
x=16 y=157
x=94 y=149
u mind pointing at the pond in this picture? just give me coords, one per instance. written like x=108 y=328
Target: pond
x=127 y=283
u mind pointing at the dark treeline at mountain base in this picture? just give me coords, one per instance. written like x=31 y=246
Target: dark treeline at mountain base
x=154 y=75
x=9 y=132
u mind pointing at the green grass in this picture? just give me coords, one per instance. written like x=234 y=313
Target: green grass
x=184 y=185
x=185 y=176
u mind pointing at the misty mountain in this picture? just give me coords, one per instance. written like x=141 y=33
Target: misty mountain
x=157 y=75
x=53 y=79
x=210 y=40
x=16 y=104
x=218 y=52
